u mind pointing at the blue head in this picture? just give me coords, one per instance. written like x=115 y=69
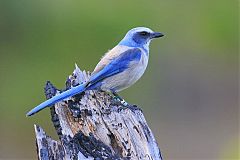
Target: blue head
x=139 y=37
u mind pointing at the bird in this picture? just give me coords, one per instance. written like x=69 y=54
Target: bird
x=117 y=70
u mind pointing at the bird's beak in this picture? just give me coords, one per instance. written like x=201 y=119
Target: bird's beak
x=156 y=35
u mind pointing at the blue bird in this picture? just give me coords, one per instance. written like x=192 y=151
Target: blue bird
x=119 y=68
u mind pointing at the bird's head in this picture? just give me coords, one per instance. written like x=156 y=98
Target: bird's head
x=139 y=37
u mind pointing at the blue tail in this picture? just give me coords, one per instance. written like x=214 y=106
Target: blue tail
x=71 y=92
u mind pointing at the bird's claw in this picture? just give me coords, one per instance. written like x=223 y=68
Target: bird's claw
x=122 y=101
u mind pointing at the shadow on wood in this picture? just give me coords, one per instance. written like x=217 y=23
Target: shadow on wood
x=93 y=125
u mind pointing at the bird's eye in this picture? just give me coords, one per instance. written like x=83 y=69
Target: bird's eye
x=143 y=33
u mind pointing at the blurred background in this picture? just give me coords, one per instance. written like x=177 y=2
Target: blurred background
x=189 y=93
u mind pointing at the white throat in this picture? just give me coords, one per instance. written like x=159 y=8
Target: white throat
x=146 y=46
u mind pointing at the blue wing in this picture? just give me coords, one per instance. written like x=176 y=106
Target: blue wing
x=117 y=65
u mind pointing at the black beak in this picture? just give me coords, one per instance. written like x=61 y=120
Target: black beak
x=156 y=35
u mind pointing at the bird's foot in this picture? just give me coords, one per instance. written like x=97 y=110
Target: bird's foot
x=124 y=103
x=118 y=100
x=121 y=101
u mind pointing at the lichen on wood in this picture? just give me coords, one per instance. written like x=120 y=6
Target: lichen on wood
x=93 y=125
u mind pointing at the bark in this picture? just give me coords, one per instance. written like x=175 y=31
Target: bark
x=93 y=125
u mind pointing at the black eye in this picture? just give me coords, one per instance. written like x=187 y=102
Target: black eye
x=143 y=33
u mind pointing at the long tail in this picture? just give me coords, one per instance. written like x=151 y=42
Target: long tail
x=71 y=92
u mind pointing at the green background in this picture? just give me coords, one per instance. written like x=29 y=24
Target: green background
x=189 y=93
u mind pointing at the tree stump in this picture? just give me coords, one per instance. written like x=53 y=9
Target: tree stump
x=93 y=125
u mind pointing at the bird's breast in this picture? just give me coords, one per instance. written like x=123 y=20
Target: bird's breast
x=128 y=77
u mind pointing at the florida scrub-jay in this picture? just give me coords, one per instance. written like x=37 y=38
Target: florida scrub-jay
x=121 y=67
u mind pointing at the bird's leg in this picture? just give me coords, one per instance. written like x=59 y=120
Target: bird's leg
x=117 y=97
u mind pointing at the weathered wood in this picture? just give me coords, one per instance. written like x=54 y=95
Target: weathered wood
x=93 y=125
